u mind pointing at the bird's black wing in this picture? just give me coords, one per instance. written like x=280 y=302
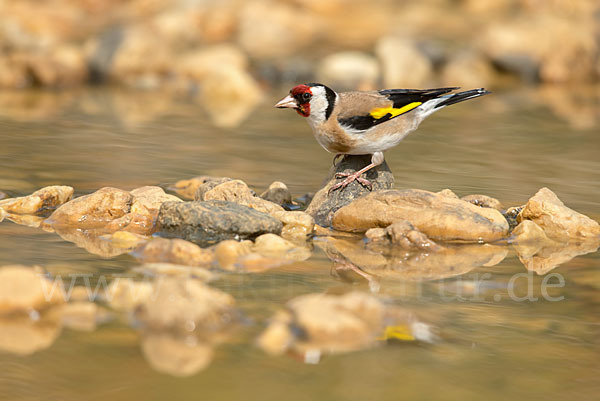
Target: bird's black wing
x=403 y=101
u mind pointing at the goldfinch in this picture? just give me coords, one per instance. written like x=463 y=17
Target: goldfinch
x=359 y=123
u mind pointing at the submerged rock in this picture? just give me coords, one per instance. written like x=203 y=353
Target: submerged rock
x=277 y=193
x=557 y=220
x=177 y=251
x=325 y=204
x=274 y=246
x=186 y=306
x=22 y=290
x=206 y=222
x=83 y=316
x=41 y=201
x=331 y=323
x=437 y=216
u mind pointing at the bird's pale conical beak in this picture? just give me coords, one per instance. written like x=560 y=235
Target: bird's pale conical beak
x=287 y=102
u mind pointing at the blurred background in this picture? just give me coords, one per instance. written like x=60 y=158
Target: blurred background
x=227 y=51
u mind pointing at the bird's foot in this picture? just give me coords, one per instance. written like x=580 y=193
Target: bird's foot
x=350 y=177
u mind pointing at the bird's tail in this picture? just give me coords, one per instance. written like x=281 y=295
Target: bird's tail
x=460 y=97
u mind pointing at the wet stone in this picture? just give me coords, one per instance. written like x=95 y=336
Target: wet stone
x=207 y=222
x=483 y=201
x=186 y=306
x=439 y=217
x=94 y=210
x=325 y=204
x=176 y=251
x=23 y=289
x=39 y=202
x=207 y=184
x=189 y=187
x=557 y=220
x=277 y=193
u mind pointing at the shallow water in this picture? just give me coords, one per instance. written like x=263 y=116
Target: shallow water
x=491 y=345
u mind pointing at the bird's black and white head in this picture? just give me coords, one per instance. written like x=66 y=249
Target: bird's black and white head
x=314 y=101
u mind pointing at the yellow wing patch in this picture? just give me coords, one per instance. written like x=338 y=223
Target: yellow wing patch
x=383 y=111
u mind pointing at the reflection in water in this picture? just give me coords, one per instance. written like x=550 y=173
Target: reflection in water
x=126 y=139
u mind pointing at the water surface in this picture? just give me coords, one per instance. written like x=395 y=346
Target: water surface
x=507 y=145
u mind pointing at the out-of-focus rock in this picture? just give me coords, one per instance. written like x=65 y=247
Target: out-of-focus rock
x=83 y=316
x=3 y=195
x=229 y=95
x=403 y=64
x=447 y=193
x=176 y=251
x=528 y=46
x=174 y=356
x=175 y=270
x=62 y=66
x=188 y=189
x=40 y=201
x=468 y=69
x=274 y=246
x=270 y=29
x=22 y=336
x=22 y=289
x=558 y=221
x=186 y=306
x=92 y=211
x=2 y=214
x=228 y=252
x=237 y=191
x=349 y=70
x=297 y=225
x=198 y=64
x=483 y=201
x=325 y=204
x=330 y=323
x=206 y=222
x=142 y=59
x=124 y=294
x=438 y=217
x=277 y=193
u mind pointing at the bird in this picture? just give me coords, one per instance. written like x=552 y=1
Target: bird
x=367 y=122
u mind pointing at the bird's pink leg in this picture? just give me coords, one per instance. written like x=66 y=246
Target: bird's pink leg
x=376 y=160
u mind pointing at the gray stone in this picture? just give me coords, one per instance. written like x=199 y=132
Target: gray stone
x=325 y=204
x=207 y=222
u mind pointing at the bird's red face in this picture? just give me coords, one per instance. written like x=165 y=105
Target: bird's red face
x=298 y=99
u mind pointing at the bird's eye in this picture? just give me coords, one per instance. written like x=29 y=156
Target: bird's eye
x=306 y=96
